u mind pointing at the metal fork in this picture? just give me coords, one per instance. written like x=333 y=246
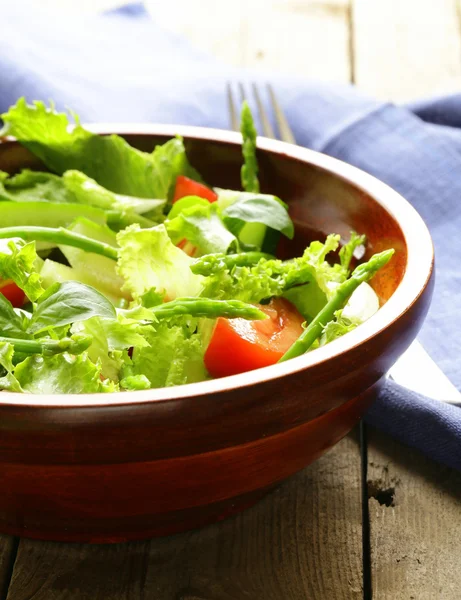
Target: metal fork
x=415 y=369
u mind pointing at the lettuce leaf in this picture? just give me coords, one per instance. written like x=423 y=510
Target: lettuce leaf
x=346 y=253
x=110 y=338
x=18 y=261
x=8 y=381
x=85 y=190
x=110 y=160
x=33 y=186
x=272 y=277
x=202 y=227
x=148 y=259
x=174 y=357
x=61 y=374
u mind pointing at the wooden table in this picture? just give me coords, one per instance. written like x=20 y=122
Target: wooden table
x=371 y=518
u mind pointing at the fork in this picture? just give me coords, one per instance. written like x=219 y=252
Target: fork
x=415 y=369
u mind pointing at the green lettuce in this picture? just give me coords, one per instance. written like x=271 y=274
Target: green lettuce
x=110 y=338
x=8 y=381
x=202 y=226
x=109 y=160
x=18 y=260
x=61 y=374
x=273 y=277
x=148 y=259
x=174 y=357
x=33 y=186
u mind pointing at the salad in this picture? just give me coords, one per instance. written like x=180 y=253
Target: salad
x=123 y=270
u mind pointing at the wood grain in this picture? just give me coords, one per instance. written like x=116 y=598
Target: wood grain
x=301 y=542
x=288 y=36
x=307 y=39
x=405 y=50
x=416 y=540
x=8 y=546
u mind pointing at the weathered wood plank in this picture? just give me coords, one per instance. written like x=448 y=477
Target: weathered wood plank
x=307 y=38
x=8 y=547
x=415 y=520
x=405 y=50
x=302 y=541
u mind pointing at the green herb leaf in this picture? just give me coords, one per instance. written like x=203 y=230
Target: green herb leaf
x=69 y=302
x=263 y=209
x=11 y=324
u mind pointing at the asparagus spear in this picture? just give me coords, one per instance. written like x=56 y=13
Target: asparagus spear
x=362 y=273
x=249 y=171
x=203 y=307
x=74 y=345
x=60 y=235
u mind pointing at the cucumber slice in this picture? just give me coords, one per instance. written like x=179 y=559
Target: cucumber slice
x=54 y=272
x=46 y=214
x=253 y=234
x=99 y=269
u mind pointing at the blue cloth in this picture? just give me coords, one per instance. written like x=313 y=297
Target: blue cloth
x=122 y=67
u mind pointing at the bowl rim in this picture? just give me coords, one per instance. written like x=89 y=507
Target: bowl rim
x=420 y=262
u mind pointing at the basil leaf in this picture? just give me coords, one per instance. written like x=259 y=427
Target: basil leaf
x=263 y=209
x=10 y=322
x=69 y=302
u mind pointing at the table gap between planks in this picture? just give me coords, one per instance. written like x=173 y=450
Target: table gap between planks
x=303 y=541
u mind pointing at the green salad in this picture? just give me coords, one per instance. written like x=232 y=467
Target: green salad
x=123 y=270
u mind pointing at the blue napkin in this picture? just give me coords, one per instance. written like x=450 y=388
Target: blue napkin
x=122 y=67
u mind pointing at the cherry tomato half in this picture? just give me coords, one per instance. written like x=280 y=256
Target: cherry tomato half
x=12 y=293
x=238 y=345
x=189 y=187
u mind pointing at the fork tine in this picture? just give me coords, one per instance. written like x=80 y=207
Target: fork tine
x=242 y=92
x=285 y=132
x=266 y=124
x=232 y=109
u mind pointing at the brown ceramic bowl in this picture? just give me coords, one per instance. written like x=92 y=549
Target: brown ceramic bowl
x=105 y=468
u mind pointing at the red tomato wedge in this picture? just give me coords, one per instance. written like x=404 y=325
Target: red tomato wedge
x=189 y=187
x=12 y=293
x=238 y=345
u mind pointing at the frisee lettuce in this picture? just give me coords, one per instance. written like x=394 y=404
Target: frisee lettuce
x=18 y=260
x=148 y=259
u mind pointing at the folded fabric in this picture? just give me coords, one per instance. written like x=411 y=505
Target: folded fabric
x=122 y=67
